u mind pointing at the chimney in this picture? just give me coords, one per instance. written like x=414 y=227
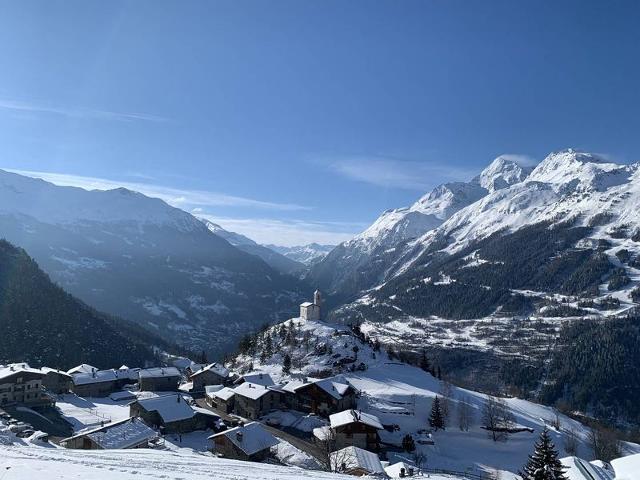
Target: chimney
x=239 y=436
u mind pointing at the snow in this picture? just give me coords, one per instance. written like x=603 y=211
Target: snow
x=251 y=390
x=13 y=368
x=88 y=412
x=250 y=438
x=579 y=469
x=214 y=367
x=627 y=468
x=258 y=379
x=223 y=394
x=354 y=416
x=27 y=463
x=159 y=372
x=290 y=455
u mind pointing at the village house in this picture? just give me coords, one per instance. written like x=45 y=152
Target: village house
x=322 y=397
x=56 y=381
x=219 y=397
x=172 y=414
x=250 y=442
x=212 y=374
x=400 y=470
x=159 y=379
x=253 y=401
x=128 y=433
x=19 y=383
x=356 y=461
x=82 y=368
x=312 y=310
x=351 y=428
x=263 y=379
x=98 y=383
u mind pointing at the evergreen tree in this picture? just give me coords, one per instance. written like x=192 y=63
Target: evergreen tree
x=436 y=419
x=424 y=361
x=439 y=373
x=408 y=444
x=286 y=363
x=544 y=463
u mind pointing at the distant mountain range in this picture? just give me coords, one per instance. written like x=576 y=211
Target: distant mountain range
x=305 y=254
x=43 y=325
x=139 y=258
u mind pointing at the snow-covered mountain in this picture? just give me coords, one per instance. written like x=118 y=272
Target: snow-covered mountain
x=305 y=254
x=137 y=257
x=561 y=242
x=280 y=262
x=362 y=262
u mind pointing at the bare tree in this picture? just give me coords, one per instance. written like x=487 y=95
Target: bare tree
x=497 y=418
x=571 y=442
x=604 y=443
x=419 y=459
x=465 y=414
x=446 y=393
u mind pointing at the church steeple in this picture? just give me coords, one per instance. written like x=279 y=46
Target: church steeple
x=317 y=298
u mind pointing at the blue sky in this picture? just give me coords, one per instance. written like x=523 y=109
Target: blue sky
x=294 y=121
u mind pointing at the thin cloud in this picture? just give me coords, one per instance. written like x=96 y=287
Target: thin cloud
x=395 y=173
x=288 y=233
x=181 y=198
x=520 y=159
x=85 y=113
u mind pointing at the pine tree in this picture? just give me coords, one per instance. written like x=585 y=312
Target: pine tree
x=408 y=444
x=286 y=363
x=544 y=463
x=424 y=361
x=436 y=419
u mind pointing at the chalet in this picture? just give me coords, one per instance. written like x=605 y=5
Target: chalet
x=82 y=368
x=97 y=383
x=263 y=379
x=56 y=381
x=352 y=428
x=221 y=398
x=312 y=310
x=159 y=379
x=129 y=433
x=250 y=442
x=172 y=414
x=322 y=397
x=212 y=374
x=356 y=461
x=253 y=401
x=19 y=383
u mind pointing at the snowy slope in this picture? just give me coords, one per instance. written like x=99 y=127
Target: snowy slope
x=400 y=394
x=305 y=254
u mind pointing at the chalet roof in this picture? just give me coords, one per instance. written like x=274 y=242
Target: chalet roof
x=13 y=368
x=333 y=388
x=215 y=368
x=171 y=407
x=159 y=372
x=224 y=393
x=257 y=379
x=123 y=434
x=251 y=438
x=355 y=457
x=354 y=416
x=294 y=385
x=47 y=370
x=395 y=470
x=97 y=376
x=251 y=390
x=579 y=469
x=82 y=368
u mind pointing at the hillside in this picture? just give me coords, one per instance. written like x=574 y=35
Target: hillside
x=305 y=254
x=138 y=258
x=43 y=325
x=401 y=395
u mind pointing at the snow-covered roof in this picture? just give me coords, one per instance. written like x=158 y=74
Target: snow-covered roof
x=333 y=388
x=123 y=434
x=171 y=407
x=97 y=376
x=251 y=390
x=395 y=470
x=355 y=457
x=293 y=385
x=82 y=368
x=257 y=378
x=123 y=395
x=627 y=468
x=55 y=370
x=13 y=368
x=159 y=372
x=306 y=304
x=579 y=469
x=224 y=393
x=215 y=368
x=354 y=416
x=251 y=438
